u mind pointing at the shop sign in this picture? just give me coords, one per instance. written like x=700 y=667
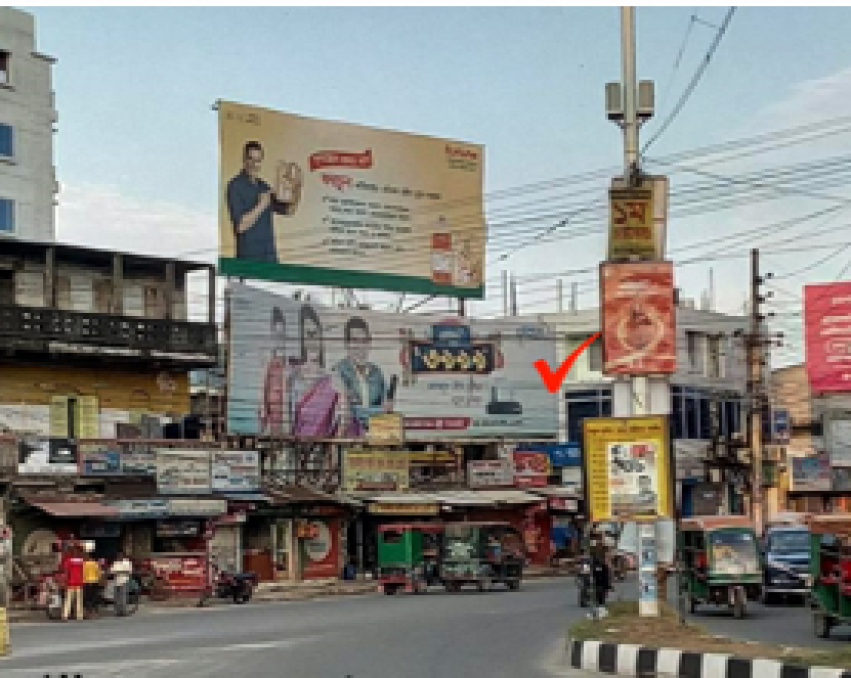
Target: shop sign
x=235 y=471
x=385 y=471
x=183 y=471
x=163 y=508
x=435 y=458
x=571 y=478
x=627 y=468
x=531 y=469
x=197 y=507
x=178 y=528
x=181 y=573
x=561 y=454
x=386 y=429
x=404 y=509
x=490 y=473
x=101 y=462
x=811 y=473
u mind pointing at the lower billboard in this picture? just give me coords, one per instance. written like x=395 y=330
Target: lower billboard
x=627 y=468
x=639 y=318
x=376 y=471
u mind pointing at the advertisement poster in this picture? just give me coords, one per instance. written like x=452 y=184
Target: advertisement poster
x=837 y=436
x=183 y=472
x=386 y=429
x=637 y=218
x=375 y=471
x=314 y=372
x=811 y=473
x=531 y=469
x=322 y=553
x=329 y=203
x=639 y=335
x=490 y=473
x=181 y=573
x=95 y=460
x=827 y=331
x=235 y=471
x=627 y=468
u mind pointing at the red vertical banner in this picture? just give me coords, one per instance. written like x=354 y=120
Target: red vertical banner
x=827 y=328
x=321 y=554
x=639 y=323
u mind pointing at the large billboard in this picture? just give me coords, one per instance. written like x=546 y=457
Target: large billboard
x=627 y=468
x=308 y=371
x=639 y=323
x=827 y=327
x=330 y=203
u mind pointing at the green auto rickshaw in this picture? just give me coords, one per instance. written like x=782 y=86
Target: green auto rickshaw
x=830 y=568
x=408 y=557
x=482 y=554
x=721 y=562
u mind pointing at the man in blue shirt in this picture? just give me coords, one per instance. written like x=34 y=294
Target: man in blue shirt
x=250 y=202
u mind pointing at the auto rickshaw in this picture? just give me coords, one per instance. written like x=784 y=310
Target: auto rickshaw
x=721 y=562
x=482 y=554
x=408 y=556
x=830 y=567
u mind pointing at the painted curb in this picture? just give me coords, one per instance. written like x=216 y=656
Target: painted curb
x=651 y=662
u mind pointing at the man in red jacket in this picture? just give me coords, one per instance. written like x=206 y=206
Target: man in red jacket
x=72 y=569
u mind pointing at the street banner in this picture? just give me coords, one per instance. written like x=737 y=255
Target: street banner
x=490 y=473
x=378 y=471
x=183 y=471
x=235 y=471
x=312 y=372
x=811 y=473
x=638 y=219
x=639 y=333
x=627 y=468
x=531 y=469
x=827 y=330
x=329 y=203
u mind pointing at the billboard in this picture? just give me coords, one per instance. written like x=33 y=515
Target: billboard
x=827 y=329
x=385 y=471
x=307 y=371
x=330 y=203
x=531 y=469
x=490 y=473
x=627 y=468
x=639 y=334
x=637 y=218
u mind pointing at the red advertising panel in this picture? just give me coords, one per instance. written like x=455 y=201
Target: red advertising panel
x=531 y=469
x=321 y=554
x=181 y=573
x=827 y=325
x=639 y=335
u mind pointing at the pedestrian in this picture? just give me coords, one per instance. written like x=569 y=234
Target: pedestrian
x=91 y=585
x=121 y=569
x=72 y=569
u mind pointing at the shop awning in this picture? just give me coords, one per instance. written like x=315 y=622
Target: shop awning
x=488 y=498
x=246 y=496
x=75 y=509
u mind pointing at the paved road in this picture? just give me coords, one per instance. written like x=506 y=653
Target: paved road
x=467 y=634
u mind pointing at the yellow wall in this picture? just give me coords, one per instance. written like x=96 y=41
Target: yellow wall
x=115 y=388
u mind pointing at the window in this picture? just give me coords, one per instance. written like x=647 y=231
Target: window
x=7 y=215
x=677 y=412
x=7 y=146
x=714 y=350
x=5 y=58
x=691 y=348
x=583 y=404
x=692 y=429
x=595 y=356
x=705 y=423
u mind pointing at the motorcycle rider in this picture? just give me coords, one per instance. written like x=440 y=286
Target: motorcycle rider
x=601 y=569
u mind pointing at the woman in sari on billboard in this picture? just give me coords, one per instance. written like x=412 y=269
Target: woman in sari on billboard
x=315 y=396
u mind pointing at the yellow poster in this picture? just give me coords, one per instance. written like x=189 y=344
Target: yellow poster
x=638 y=219
x=383 y=471
x=386 y=429
x=88 y=417
x=627 y=467
x=330 y=203
x=59 y=417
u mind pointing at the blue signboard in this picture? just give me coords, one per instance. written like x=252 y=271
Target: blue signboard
x=561 y=454
x=781 y=424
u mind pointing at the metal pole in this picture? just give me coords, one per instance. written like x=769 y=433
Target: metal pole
x=574 y=297
x=560 y=294
x=755 y=391
x=630 y=90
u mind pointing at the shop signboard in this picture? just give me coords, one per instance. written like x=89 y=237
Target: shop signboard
x=627 y=468
x=561 y=454
x=781 y=426
x=403 y=509
x=375 y=470
x=841 y=476
x=235 y=471
x=348 y=205
x=95 y=460
x=639 y=318
x=183 y=471
x=531 y=469
x=827 y=333
x=837 y=436
x=490 y=473
x=163 y=508
x=571 y=478
x=178 y=528
x=447 y=377
x=386 y=429
x=181 y=573
x=811 y=473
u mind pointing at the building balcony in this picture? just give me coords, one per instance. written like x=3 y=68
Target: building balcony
x=40 y=331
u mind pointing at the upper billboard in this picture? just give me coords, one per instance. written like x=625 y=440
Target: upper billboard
x=330 y=203
x=298 y=369
x=639 y=334
x=827 y=325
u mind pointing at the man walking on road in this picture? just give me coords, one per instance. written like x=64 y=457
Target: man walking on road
x=122 y=568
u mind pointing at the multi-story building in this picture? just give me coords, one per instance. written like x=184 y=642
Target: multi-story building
x=27 y=116
x=707 y=391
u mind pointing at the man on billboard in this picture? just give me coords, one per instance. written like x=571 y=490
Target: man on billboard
x=366 y=390
x=274 y=403
x=251 y=202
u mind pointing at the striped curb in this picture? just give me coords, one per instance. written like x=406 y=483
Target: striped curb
x=650 y=662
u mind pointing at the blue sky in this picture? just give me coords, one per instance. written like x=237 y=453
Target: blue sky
x=137 y=154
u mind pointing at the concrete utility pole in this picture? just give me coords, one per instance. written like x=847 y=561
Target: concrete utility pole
x=756 y=394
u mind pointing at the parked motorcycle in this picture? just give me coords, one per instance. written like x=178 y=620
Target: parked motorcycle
x=238 y=586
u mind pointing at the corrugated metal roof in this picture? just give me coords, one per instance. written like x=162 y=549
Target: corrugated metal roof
x=75 y=509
